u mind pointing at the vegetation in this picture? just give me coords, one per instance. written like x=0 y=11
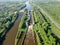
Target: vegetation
x=45 y=30
x=22 y=29
x=8 y=15
x=45 y=34
x=53 y=9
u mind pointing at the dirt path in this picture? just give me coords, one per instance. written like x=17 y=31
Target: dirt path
x=30 y=37
x=10 y=36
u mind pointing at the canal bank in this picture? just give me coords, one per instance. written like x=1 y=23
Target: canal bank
x=30 y=35
x=11 y=34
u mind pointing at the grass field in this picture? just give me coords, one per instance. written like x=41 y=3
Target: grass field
x=53 y=8
x=45 y=34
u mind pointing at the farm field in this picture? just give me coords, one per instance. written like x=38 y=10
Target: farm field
x=53 y=9
x=45 y=34
x=30 y=22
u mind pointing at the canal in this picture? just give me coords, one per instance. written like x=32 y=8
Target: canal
x=30 y=35
x=11 y=34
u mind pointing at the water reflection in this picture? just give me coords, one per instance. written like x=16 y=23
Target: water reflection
x=28 y=6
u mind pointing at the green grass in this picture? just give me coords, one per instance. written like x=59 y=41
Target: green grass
x=22 y=28
x=53 y=10
x=44 y=30
x=8 y=16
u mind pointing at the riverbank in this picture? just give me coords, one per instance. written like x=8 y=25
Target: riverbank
x=10 y=36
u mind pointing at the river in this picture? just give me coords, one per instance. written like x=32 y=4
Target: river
x=30 y=35
x=10 y=36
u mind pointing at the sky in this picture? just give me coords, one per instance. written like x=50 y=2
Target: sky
x=33 y=0
x=8 y=0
